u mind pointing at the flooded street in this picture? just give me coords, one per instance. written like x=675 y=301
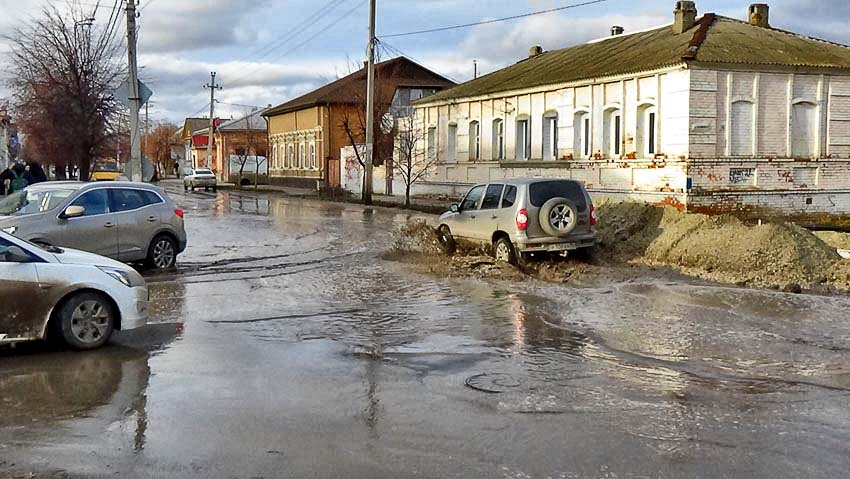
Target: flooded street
x=287 y=346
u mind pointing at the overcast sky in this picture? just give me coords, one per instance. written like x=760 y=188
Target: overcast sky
x=269 y=51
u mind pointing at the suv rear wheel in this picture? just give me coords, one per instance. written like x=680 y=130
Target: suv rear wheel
x=162 y=253
x=505 y=252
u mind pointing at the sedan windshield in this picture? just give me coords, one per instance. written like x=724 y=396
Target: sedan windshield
x=27 y=202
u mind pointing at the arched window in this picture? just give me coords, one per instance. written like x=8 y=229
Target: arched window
x=302 y=156
x=804 y=128
x=581 y=135
x=498 y=139
x=474 y=140
x=612 y=133
x=290 y=160
x=647 y=132
x=523 y=138
x=550 y=135
x=451 y=150
x=741 y=128
x=313 y=156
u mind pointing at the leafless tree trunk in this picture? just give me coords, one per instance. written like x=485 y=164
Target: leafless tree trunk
x=63 y=73
x=412 y=162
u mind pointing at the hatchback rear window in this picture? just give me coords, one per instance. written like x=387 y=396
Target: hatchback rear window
x=546 y=190
x=151 y=198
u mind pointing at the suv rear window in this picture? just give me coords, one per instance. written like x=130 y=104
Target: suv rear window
x=546 y=190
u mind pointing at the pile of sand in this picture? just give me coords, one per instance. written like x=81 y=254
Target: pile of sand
x=720 y=248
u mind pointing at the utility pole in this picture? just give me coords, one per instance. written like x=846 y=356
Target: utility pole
x=135 y=102
x=370 y=108
x=213 y=87
x=145 y=151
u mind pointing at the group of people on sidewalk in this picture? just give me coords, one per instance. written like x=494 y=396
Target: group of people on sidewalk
x=18 y=176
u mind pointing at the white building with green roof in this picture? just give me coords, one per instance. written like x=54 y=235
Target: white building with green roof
x=707 y=114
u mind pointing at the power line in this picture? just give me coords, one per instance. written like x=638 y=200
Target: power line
x=497 y=20
x=391 y=50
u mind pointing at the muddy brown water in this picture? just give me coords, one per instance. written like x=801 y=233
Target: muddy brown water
x=304 y=351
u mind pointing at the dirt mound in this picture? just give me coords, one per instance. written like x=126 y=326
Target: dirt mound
x=722 y=248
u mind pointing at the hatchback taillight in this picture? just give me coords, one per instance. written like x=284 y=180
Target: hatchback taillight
x=178 y=213
x=593 y=218
x=522 y=220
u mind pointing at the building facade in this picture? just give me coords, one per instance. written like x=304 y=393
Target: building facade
x=306 y=134
x=707 y=114
x=239 y=142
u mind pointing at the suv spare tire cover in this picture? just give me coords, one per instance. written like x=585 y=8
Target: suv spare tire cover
x=558 y=217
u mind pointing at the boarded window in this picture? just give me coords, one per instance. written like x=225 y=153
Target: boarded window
x=432 y=143
x=741 y=128
x=804 y=124
x=550 y=136
x=451 y=153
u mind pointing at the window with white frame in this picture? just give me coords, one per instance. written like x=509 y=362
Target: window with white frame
x=498 y=139
x=523 y=138
x=451 y=147
x=647 y=131
x=581 y=135
x=302 y=155
x=804 y=127
x=612 y=133
x=313 y=156
x=432 y=143
x=474 y=140
x=550 y=136
x=290 y=159
x=741 y=128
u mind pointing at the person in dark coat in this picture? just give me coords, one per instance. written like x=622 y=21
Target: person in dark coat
x=37 y=173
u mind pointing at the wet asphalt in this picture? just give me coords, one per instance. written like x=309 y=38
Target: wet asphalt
x=285 y=346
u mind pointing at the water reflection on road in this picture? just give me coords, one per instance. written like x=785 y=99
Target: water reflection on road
x=305 y=352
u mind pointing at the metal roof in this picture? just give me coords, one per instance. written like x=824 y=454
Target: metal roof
x=712 y=40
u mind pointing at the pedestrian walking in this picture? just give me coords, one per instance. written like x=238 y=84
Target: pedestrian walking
x=19 y=178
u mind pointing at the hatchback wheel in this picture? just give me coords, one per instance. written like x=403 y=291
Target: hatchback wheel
x=162 y=253
x=86 y=321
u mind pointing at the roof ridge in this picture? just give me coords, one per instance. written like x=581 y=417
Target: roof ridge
x=786 y=32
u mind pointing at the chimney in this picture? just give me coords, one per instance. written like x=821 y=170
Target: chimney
x=685 y=16
x=759 y=15
x=535 y=51
x=617 y=30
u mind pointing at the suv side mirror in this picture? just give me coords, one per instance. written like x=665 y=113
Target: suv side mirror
x=73 y=211
x=14 y=254
x=454 y=208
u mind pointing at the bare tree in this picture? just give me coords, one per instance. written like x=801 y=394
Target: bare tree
x=159 y=142
x=248 y=146
x=412 y=162
x=63 y=72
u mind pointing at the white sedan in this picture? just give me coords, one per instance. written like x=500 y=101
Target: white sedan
x=200 y=178
x=78 y=297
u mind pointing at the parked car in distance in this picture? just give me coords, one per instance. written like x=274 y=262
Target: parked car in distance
x=79 y=297
x=200 y=178
x=129 y=222
x=522 y=216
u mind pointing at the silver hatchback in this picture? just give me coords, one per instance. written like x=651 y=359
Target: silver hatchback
x=522 y=216
x=129 y=222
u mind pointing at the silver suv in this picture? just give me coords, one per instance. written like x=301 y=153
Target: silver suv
x=129 y=222
x=522 y=216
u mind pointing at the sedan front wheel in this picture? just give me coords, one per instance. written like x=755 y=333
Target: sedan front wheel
x=86 y=321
